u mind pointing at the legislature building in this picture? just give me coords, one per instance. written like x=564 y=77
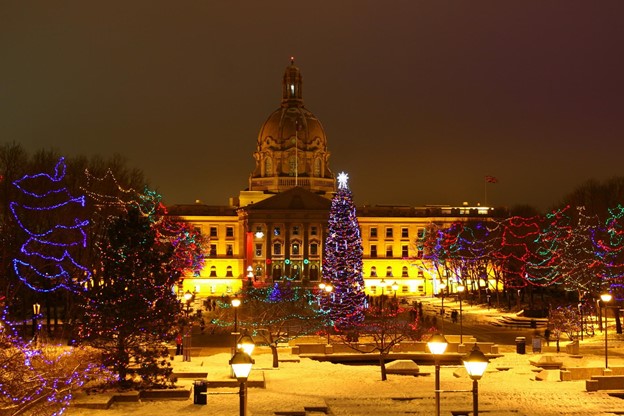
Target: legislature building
x=276 y=228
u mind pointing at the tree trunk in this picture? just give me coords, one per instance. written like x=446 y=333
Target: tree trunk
x=274 y=353
x=382 y=365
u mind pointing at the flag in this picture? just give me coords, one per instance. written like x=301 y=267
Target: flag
x=490 y=179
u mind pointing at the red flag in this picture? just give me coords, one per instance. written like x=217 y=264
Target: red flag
x=490 y=179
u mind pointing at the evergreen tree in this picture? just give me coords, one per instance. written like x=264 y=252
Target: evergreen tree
x=342 y=261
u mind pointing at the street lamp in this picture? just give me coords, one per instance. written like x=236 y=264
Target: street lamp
x=383 y=284
x=437 y=345
x=460 y=290
x=187 y=297
x=241 y=364
x=235 y=304
x=395 y=288
x=186 y=338
x=475 y=362
x=442 y=291
x=250 y=275
x=246 y=343
x=326 y=289
x=606 y=298
x=35 y=326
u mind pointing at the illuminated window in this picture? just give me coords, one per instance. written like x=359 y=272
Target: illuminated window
x=295 y=249
x=292 y=90
x=388 y=251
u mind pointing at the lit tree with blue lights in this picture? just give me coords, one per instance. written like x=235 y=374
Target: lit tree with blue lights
x=342 y=261
x=54 y=234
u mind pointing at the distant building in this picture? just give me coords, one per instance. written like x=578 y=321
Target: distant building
x=277 y=227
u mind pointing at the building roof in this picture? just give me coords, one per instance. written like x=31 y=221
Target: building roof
x=293 y=199
x=198 y=210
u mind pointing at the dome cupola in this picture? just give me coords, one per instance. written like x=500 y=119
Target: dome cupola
x=292 y=146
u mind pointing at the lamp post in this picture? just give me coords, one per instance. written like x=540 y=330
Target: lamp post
x=186 y=338
x=35 y=325
x=383 y=284
x=460 y=290
x=326 y=289
x=187 y=298
x=241 y=364
x=235 y=302
x=250 y=275
x=475 y=362
x=437 y=345
x=606 y=298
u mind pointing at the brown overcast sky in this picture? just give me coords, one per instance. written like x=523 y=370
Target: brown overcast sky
x=419 y=99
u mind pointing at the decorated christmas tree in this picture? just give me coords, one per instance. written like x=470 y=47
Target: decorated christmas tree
x=130 y=308
x=342 y=261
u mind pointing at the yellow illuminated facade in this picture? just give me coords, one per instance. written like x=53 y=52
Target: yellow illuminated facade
x=276 y=228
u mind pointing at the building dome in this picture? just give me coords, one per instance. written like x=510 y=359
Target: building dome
x=292 y=146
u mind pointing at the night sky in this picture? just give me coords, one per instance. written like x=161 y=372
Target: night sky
x=419 y=99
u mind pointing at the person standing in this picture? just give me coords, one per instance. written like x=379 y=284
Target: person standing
x=178 y=344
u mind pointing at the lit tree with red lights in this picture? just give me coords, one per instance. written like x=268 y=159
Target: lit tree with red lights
x=131 y=308
x=342 y=261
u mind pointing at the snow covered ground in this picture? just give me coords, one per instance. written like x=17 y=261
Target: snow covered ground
x=357 y=390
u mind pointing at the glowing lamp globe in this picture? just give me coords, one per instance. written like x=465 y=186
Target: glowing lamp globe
x=437 y=344
x=475 y=362
x=241 y=364
x=246 y=343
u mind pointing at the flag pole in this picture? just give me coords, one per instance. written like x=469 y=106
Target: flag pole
x=485 y=192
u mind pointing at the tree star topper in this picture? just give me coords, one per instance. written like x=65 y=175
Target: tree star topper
x=342 y=180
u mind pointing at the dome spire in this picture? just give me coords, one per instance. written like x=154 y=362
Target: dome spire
x=292 y=86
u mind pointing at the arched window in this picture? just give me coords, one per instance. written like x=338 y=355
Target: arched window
x=213 y=271
x=277 y=272
x=404 y=272
x=268 y=166
x=314 y=273
x=228 y=272
x=389 y=271
x=373 y=272
x=317 y=167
